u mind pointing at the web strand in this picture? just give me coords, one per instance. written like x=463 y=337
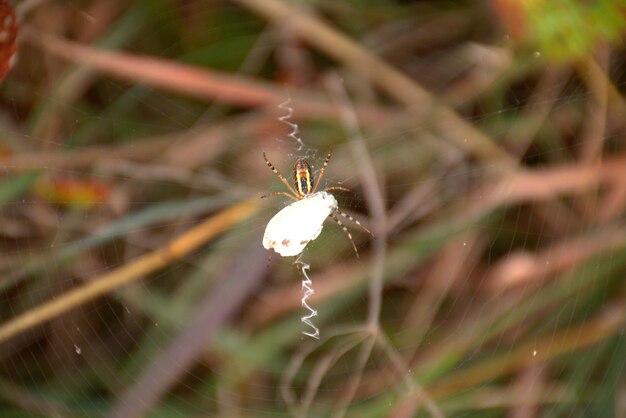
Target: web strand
x=286 y=119
x=308 y=292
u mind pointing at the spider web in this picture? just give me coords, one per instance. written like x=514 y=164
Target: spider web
x=502 y=283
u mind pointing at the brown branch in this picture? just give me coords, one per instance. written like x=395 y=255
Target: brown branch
x=194 y=81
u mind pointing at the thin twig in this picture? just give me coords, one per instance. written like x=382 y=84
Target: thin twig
x=353 y=384
x=594 y=129
x=403 y=369
x=298 y=359
x=320 y=370
x=376 y=204
x=295 y=364
x=452 y=263
x=593 y=133
x=542 y=101
x=373 y=193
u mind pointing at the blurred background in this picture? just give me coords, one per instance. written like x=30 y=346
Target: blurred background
x=483 y=144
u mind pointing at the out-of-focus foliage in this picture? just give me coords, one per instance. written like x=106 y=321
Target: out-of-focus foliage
x=564 y=30
x=132 y=271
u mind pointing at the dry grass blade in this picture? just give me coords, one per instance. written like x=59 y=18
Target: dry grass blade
x=541 y=103
x=591 y=332
x=85 y=157
x=135 y=270
x=594 y=129
x=544 y=184
x=163 y=73
x=524 y=268
x=194 y=81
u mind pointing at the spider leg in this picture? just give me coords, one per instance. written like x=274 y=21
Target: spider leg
x=345 y=215
x=336 y=219
x=279 y=194
x=280 y=176
x=321 y=174
x=343 y=189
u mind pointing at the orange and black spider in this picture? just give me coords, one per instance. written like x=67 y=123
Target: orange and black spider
x=302 y=178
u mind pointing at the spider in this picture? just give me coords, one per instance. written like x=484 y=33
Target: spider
x=292 y=228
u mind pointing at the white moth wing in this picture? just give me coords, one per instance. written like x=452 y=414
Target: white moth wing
x=294 y=226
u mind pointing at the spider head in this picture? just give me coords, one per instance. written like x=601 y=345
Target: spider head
x=302 y=177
